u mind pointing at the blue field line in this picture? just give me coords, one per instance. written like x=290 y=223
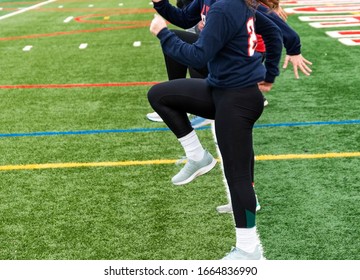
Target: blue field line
x=144 y=130
x=308 y=123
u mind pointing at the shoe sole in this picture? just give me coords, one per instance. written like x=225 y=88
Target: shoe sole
x=202 y=124
x=258 y=207
x=154 y=119
x=198 y=173
x=224 y=211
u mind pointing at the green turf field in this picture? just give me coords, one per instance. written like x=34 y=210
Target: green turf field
x=66 y=106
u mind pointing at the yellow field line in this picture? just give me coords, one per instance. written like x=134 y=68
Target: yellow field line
x=165 y=161
x=307 y=156
x=84 y=164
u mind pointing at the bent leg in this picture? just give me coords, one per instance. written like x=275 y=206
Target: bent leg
x=176 y=70
x=172 y=100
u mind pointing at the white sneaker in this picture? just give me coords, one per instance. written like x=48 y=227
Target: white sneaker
x=154 y=117
x=265 y=101
x=197 y=122
x=227 y=208
x=193 y=169
x=224 y=209
x=238 y=254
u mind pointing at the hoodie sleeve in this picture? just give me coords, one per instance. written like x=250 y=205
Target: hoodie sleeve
x=273 y=40
x=213 y=37
x=183 y=18
x=291 y=39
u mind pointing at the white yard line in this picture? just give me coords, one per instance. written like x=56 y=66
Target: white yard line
x=68 y=19
x=26 y=9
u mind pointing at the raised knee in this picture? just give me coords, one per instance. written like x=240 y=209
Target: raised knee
x=153 y=95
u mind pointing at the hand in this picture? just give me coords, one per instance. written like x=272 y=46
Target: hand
x=298 y=62
x=157 y=24
x=200 y=25
x=265 y=86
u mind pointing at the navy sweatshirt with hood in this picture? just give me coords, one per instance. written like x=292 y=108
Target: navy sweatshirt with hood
x=226 y=43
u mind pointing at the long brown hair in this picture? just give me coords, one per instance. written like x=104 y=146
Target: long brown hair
x=272 y=4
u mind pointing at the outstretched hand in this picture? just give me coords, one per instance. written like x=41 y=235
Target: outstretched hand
x=157 y=24
x=298 y=62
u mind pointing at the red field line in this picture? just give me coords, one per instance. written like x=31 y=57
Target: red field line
x=125 y=84
x=76 y=1
x=84 y=19
x=32 y=36
x=119 y=11
x=21 y=3
x=9 y=9
x=36 y=2
x=116 y=11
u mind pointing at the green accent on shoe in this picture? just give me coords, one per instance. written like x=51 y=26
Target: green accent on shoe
x=193 y=169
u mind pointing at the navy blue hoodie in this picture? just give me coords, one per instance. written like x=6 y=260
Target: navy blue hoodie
x=226 y=43
x=291 y=39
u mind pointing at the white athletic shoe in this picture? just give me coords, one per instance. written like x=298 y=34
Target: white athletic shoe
x=227 y=208
x=193 y=169
x=266 y=102
x=224 y=209
x=197 y=122
x=154 y=117
x=238 y=254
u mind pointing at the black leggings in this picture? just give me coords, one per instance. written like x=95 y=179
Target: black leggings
x=235 y=111
x=176 y=70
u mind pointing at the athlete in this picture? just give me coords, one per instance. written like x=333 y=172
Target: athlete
x=176 y=70
x=230 y=95
x=293 y=54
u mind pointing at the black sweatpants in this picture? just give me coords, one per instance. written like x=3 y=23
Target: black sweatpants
x=235 y=111
x=176 y=70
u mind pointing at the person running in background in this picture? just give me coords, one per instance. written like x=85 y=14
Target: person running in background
x=230 y=95
x=176 y=70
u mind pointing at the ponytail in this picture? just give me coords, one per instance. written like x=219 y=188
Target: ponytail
x=271 y=4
